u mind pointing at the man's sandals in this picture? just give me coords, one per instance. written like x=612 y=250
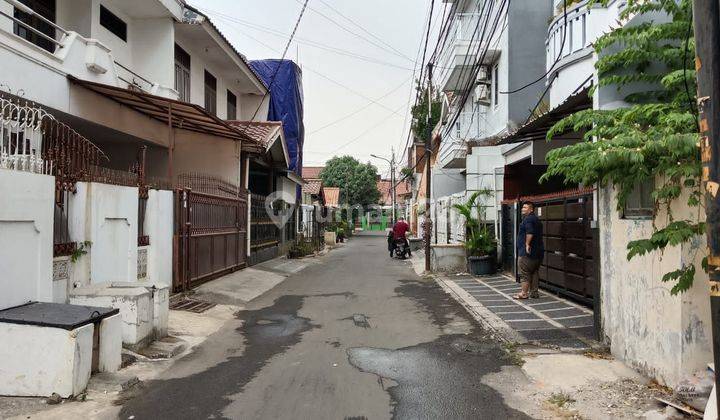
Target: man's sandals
x=521 y=296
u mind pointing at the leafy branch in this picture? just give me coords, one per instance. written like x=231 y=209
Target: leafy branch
x=655 y=137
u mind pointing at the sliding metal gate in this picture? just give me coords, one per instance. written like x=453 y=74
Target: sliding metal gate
x=569 y=266
x=210 y=236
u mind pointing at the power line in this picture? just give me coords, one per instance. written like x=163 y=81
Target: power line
x=481 y=58
x=413 y=89
x=358 y=35
x=328 y=78
x=357 y=111
x=359 y=136
x=277 y=70
x=557 y=59
x=328 y=5
x=310 y=43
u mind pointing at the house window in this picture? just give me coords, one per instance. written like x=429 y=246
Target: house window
x=210 y=93
x=231 y=106
x=33 y=28
x=182 y=73
x=584 y=32
x=640 y=203
x=112 y=23
x=496 y=85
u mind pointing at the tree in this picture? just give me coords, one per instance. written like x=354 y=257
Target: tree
x=655 y=137
x=357 y=181
x=419 y=112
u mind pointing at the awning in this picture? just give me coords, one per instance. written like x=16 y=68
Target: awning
x=537 y=129
x=183 y=115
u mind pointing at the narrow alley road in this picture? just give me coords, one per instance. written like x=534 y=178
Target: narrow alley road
x=356 y=336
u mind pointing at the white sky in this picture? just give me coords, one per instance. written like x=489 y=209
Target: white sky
x=374 y=129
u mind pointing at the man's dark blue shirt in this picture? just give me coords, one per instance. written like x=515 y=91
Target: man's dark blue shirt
x=531 y=225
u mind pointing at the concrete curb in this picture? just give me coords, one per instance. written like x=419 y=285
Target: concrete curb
x=484 y=316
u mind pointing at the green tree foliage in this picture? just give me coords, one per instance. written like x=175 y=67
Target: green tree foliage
x=357 y=181
x=656 y=136
x=420 y=124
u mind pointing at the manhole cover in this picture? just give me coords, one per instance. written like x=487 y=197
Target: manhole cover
x=190 y=305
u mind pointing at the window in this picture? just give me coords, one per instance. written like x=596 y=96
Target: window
x=496 y=86
x=584 y=31
x=33 y=28
x=640 y=203
x=182 y=73
x=231 y=106
x=113 y=23
x=210 y=93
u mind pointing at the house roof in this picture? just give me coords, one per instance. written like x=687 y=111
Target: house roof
x=264 y=132
x=184 y=115
x=313 y=186
x=268 y=134
x=332 y=196
x=385 y=188
x=312 y=172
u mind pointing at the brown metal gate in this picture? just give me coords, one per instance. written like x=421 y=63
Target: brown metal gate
x=569 y=266
x=210 y=236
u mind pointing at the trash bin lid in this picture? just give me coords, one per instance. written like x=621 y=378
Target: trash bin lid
x=55 y=315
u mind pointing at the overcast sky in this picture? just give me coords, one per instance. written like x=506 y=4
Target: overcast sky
x=260 y=29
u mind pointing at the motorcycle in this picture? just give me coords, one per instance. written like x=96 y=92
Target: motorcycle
x=399 y=248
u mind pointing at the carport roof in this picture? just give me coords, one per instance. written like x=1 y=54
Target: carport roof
x=537 y=129
x=184 y=115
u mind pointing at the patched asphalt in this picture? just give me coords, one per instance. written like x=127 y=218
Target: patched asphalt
x=357 y=336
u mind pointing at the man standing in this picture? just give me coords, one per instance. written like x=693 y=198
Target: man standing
x=530 y=252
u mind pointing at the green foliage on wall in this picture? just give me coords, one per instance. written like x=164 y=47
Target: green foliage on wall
x=656 y=136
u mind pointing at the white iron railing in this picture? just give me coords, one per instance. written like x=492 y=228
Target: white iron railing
x=21 y=135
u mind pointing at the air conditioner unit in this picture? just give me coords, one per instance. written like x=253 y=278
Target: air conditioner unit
x=482 y=94
x=483 y=75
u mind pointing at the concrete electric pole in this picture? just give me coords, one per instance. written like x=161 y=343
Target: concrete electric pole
x=706 y=17
x=427 y=228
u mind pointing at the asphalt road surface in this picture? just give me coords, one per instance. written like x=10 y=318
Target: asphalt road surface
x=359 y=336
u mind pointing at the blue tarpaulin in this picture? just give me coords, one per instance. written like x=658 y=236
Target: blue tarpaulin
x=286 y=103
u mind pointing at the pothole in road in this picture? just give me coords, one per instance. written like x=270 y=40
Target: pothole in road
x=439 y=379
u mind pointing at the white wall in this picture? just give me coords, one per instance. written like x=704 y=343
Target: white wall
x=159 y=226
x=111 y=223
x=40 y=361
x=153 y=50
x=666 y=337
x=26 y=237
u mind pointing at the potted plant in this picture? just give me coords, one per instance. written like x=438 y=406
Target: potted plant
x=480 y=243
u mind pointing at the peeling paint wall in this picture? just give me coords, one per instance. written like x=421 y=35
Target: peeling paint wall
x=666 y=337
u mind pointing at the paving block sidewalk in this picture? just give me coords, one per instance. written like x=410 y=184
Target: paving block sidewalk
x=549 y=320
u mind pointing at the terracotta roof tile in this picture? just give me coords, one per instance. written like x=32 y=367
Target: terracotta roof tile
x=262 y=132
x=312 y=187
x=312 y=172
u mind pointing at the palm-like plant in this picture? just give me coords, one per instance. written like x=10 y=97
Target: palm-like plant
x=479 y=240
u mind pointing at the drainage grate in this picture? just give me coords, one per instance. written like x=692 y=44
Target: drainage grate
x=190 y=305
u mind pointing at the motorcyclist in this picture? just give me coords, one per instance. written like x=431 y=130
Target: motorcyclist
x=399 y=232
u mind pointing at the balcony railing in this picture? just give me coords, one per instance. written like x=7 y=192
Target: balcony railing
x=462 y=32
x=34 y=27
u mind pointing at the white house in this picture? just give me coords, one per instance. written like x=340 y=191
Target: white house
x=126 y=98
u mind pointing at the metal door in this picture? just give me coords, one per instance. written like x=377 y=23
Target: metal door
x=210 y=236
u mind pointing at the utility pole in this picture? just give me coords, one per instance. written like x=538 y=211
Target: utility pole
x=392 y=185
x=428 y=147
x=706 y=17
